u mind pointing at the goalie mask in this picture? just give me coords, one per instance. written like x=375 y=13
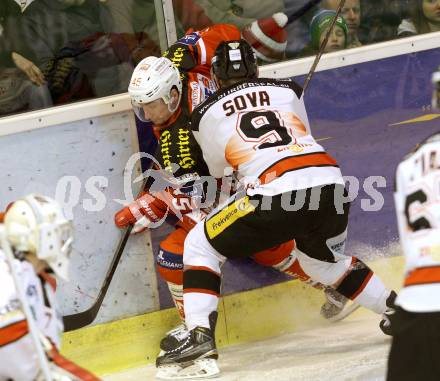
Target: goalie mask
x=234 y=60
x=152 y=79
x=36 y=224
x=436 y=89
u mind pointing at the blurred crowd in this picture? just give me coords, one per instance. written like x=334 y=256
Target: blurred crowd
x=59 y=51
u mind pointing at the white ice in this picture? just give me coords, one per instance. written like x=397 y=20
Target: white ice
x=354 y=349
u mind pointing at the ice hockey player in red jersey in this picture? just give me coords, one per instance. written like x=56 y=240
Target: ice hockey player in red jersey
x=167 y=96
x=294 y=189
x=416 y=322
x=40 y=239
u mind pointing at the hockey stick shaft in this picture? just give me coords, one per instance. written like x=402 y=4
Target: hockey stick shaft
x=322 y=47
x=32 y=326
x=302 y=11
x=81 y=319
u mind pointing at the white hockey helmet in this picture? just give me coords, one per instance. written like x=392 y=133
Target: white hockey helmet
x=436 y=89
x=153 y=78
x=36 y=224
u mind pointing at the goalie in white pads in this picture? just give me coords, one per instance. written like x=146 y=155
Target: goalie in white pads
x=39 y=239
x=259 y=127
x=416 y=323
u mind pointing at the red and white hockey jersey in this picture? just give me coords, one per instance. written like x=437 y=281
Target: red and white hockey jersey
x=417 y=199
x=18 y=358
x=260 y=129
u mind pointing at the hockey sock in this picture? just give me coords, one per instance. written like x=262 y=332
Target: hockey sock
x=364 y=287
x=176 y=291
x=201 y=290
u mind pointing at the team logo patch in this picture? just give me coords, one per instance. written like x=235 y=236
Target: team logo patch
x=169 y=260
x=190 y=39
x=226 y=217
x=144 y=67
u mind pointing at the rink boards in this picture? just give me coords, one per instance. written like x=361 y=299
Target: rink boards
x=243 y=317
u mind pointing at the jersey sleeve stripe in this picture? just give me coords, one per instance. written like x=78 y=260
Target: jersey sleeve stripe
x=294 y=163
x=423 y=275
x=13 y=332
x=202 y=49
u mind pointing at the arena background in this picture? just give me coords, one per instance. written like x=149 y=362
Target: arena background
x=368 y=106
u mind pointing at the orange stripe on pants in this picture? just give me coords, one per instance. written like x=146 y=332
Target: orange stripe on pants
x=294 y=163
x=424 y=275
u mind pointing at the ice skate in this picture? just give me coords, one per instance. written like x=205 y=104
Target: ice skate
x=174 y=338
x=337 y=306
x=195 y=357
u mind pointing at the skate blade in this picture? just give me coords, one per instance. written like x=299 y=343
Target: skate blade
x=199 y=369
x=348 y=310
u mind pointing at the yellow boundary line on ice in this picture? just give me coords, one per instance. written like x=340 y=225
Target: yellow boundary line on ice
x=250 y=316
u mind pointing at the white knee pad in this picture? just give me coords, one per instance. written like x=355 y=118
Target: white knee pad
x=327 y=273
x=199 y=252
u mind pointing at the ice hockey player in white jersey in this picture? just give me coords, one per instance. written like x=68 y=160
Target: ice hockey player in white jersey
x=292 y=188
x=40 y=240
x=415 y=350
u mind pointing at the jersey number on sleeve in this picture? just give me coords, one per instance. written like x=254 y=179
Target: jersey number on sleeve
x=265 y=128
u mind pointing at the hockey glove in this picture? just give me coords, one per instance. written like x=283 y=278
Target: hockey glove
x=143 y=212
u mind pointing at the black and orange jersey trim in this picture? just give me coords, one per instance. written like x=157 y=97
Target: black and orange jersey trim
x=423 y=275
x=294 y=163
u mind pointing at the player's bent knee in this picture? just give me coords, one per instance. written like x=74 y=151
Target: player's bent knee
x=170 y=265
x=327 y=273
x=277 y=256
x=199 y=252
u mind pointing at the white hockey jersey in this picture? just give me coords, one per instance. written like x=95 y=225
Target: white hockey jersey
x=18 y=359
x=260 y=129
x=417 y=199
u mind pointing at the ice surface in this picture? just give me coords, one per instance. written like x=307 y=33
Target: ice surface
x=354 y=349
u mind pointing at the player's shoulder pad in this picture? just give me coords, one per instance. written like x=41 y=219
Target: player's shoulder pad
x=190 y=38
x=202 y=108
x=435 y=138
x=289 y=82
x=181 y=56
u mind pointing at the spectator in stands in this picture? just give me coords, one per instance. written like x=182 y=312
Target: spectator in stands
x=75 y=49
x=262 y=22
x=380 y=20
x=424 y=17
x=136 y=23
x=22 y=84
x=319 y=26
x=298 y=29
x=198 y=14
x=351 y=12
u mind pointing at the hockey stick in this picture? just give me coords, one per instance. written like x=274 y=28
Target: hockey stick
x=32 y=326
x=322 y=47
x=302 y=11
x=81 y=319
